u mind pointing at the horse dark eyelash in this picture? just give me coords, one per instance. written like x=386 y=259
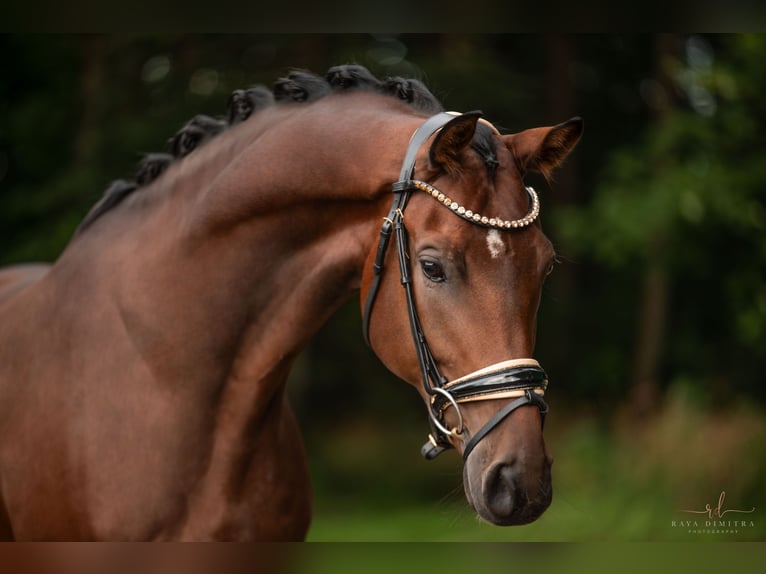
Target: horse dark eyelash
x=433 y=270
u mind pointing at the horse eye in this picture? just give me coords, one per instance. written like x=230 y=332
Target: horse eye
x=433 y=270
x=550 y=268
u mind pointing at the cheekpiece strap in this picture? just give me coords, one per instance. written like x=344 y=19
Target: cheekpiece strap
x=401 y=190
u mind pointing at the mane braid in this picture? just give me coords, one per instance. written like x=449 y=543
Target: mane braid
x=300 y=86
x=352 y=77
x=414 y=93
x=152 y=166
x=196 y=132
x=243 y=103
x=297 y=86
x=114 y=194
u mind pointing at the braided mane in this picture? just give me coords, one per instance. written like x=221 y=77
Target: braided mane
x=297 y=86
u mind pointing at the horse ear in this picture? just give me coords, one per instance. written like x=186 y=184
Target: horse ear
x=543 y=149
x=454 y=136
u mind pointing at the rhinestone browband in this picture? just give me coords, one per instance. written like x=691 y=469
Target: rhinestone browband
x=478 y=219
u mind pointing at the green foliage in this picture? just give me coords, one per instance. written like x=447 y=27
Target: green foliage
x=689 y=171
x=689 y=194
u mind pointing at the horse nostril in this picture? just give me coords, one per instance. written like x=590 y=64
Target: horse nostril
x=500 y=492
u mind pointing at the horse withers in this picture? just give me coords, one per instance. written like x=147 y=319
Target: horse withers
x=142 y=375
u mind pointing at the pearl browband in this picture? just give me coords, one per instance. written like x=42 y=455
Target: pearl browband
x=478 y=219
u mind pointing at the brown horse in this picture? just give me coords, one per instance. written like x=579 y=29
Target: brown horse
x=142 y=375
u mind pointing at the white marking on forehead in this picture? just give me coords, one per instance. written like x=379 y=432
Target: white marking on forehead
x=495 y=243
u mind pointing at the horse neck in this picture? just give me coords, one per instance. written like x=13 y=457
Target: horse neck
x=246 y=261
x=302 y=204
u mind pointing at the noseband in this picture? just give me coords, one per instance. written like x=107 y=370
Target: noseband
x=520 y=379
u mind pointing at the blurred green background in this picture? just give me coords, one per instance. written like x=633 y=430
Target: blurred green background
x=652 y=328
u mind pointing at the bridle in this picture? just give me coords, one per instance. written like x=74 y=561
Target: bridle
x=522 y=380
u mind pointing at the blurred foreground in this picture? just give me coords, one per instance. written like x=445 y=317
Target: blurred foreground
x=615 y=480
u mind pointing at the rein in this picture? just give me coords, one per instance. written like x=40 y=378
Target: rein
x=521 y=379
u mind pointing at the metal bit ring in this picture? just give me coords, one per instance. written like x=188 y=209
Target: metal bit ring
x=437 y=422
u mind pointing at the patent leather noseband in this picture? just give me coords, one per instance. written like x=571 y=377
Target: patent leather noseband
x=519 y=379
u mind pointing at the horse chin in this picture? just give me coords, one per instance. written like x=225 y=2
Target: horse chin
x=501 y=495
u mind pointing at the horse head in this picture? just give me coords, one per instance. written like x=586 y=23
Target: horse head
x=473 y=259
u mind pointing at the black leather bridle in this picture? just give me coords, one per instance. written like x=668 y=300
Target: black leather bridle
x=520 y=379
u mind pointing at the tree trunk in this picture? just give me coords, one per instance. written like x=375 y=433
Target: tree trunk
x=652 y=320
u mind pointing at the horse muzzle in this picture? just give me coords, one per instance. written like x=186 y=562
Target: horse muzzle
x=507 y=494
x=507 y=470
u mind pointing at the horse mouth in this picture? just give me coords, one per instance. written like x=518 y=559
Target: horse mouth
x=502 y=499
